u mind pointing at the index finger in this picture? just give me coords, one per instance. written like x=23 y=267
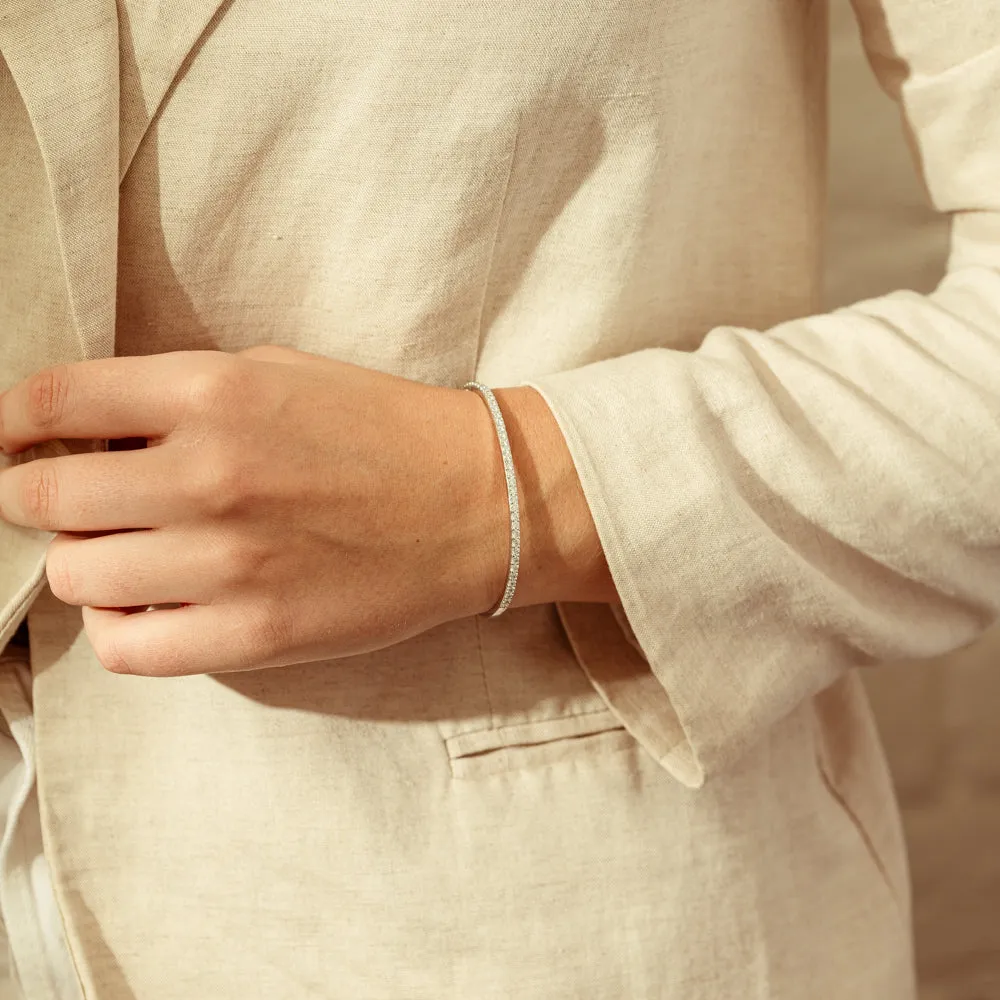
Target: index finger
x=108 y=398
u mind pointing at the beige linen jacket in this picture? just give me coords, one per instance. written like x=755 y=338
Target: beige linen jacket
x=618 y=202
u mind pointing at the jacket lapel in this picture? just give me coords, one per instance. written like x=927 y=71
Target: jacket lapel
x=79 y=77
x=64 y=59
x=156 y=41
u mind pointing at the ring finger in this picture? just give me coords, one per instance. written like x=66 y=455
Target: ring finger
x=129 y=569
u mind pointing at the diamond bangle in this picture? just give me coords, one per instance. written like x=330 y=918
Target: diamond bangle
x=512 y=500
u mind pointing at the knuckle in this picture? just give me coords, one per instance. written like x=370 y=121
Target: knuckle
x=265 y=352
x=217 y=486
x=47 y=394
x=269 y=633
x=110 y=656
x=39 y=493
x=242 y=563
x=61 y=578
x=216 y=384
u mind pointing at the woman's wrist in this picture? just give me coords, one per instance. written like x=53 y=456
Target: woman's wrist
x=561 y=557
x=470 y=514
x=561 y=554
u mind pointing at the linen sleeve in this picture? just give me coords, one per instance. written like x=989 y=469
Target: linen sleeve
x=779 y=506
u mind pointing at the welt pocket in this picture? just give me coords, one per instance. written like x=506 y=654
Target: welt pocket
x=856 y=782
x=540 y=743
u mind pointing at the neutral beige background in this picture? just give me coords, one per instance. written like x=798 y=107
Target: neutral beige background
x=939 y=720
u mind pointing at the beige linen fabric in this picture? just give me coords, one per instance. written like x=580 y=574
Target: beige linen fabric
x=682 y=797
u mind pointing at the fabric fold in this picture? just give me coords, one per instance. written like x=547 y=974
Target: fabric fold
x=780 y=506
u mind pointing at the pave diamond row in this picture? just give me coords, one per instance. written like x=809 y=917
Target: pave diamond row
x=512 y=499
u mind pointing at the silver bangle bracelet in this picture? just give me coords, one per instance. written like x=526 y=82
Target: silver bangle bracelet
x=513 y=504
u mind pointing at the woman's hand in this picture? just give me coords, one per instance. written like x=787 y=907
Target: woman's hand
x=297 y=508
